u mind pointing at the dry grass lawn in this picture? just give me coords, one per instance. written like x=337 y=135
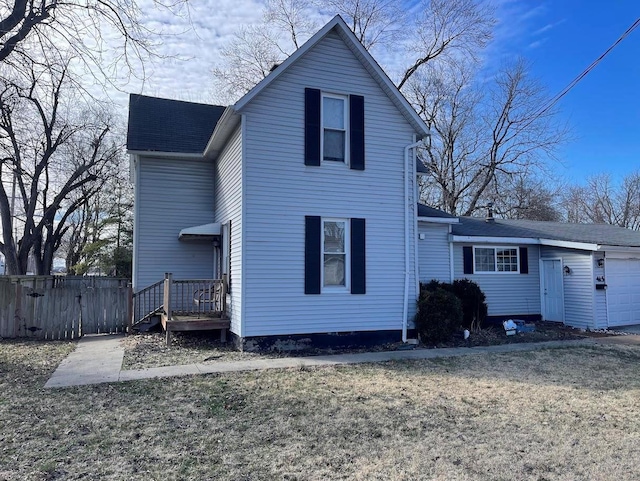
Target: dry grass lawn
x=562 y=414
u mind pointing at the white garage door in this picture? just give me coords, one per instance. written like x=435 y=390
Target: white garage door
x=623 y=291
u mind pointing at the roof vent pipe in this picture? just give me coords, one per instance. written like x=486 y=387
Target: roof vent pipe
x=490 y=217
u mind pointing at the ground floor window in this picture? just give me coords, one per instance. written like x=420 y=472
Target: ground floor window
x=496 y=259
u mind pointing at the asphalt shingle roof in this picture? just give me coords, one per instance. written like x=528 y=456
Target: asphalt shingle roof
x=603 y=234
x=420 y=167
x=426 y=211
x=163 y=125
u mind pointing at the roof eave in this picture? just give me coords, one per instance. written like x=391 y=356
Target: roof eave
x=439 y=220
x=610 y=248
x=224 y=128
x=583 y=246
x=158 y=153
x=494 y=239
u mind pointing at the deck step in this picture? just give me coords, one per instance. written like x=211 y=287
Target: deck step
x=148 y=324
x=197 y=324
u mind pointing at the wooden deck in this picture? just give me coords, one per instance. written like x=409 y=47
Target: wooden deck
x=179 y=323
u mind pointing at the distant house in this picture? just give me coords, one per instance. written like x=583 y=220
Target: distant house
x=294 y=212
x=585 y=275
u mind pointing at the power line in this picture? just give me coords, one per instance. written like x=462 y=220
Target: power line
x=586 y=71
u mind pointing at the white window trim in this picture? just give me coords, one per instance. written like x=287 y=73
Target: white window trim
x=344 y=98
x=495 y=259
x=347 y=257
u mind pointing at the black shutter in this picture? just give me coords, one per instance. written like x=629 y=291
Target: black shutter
x=312 y=253
x=356 y=131
x=358 y=257
x=467 y=259
x=312 y=126
x=524 y=260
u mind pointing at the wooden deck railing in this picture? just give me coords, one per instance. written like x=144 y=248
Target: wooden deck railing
x=194 y=297
x=187 y=297
x=147 y=302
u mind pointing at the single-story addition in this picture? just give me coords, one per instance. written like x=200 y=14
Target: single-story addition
x=585 y=275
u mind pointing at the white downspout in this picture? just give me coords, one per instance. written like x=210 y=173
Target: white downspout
x=405 y=305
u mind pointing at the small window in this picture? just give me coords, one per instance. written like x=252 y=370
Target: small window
x=335 y=239
x=334 y=128
x=495 y=259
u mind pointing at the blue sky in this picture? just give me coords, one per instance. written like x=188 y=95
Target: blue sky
x=561 y=38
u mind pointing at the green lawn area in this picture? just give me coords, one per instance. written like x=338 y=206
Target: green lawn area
x=559 y=414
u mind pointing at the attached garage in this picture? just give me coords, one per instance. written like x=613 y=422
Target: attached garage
x=623 y=291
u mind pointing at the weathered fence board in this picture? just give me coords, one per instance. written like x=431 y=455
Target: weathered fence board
x=51 y=307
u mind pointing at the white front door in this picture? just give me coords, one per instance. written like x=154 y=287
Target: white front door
x=552 y=290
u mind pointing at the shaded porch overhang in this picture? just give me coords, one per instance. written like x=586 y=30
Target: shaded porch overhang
x=201 y=232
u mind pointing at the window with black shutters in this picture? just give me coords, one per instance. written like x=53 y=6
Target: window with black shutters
x=334 y=129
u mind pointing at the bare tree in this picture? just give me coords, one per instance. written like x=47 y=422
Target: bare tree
x=53 y=150
x=31 y=28
x=526 y=197
x=437 y=29
x=446 y=99
x=448 y=29
x=604 y=201
x=483 y=140
x=100 y=232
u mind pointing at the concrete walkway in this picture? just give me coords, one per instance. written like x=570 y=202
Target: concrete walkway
x=98 y=359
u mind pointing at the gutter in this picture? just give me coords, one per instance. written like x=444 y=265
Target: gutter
x=407 y=202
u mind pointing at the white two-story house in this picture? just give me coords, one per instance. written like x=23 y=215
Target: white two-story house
x=301 y=196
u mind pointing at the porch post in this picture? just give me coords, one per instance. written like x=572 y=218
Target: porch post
x=167 y=294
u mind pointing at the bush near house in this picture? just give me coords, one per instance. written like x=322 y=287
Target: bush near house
x=439 y=315
x=474 y=307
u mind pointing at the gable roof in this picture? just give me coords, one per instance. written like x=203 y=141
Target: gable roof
x=163 y=125
x=370 y=64
x=599 y=234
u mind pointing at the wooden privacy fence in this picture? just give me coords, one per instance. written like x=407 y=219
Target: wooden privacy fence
x=61 y=307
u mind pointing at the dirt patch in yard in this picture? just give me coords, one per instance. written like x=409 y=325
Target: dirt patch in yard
x=150 y=349
x=490 y=336
x=146 y=350
x=555 y=414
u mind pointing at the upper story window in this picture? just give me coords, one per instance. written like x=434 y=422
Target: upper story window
x=496 y=259
x=334 y=127
x=335 y=239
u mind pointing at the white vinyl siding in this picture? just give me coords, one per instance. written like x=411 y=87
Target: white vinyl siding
x=228 y=207
x=172 y=194
x=508 y=294
x=434 y=253
x=600 y=296
x=281 y=191
x=578 y=285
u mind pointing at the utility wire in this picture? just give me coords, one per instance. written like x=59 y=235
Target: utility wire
x=575 y=81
